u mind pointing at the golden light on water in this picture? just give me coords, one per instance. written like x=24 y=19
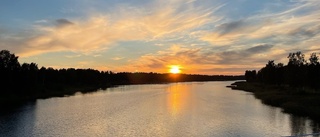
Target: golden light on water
x=177 y=99
x=175 y=69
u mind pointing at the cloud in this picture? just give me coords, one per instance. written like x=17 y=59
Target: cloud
x=100 y=31
x=226 y=28
x=117 y=58
x=305 y=31
x=245 y=56
x=296 y=27
x=259 y=49
x=233 y=32
x=41 y=21
x=176 y=54
x=73 y=56
x=201 y=60
x=63 y=22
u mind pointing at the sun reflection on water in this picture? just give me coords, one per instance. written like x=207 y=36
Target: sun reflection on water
x=177 y=99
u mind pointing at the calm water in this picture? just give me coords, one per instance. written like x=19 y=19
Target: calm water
x=178 y=109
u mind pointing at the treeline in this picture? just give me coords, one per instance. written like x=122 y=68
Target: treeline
x=298 y=72
x=147 y=78
x=29 y=81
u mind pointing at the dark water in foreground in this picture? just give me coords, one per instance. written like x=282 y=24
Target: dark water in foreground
x=178 y=109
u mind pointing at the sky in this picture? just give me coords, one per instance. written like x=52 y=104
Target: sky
x=210 y=37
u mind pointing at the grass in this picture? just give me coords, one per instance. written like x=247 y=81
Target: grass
x=298 y=101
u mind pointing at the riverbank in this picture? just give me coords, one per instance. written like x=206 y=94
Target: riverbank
x=10 y=100
x=297 y=101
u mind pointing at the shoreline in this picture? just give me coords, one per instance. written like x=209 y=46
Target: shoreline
x=8 y=101
x=296 y=101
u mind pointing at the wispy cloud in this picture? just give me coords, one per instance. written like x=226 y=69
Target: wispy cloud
x=41 y=21
x=295 y=28
x=99 y=32
x=73 y=56
x=280 y=34
x=63 y=22
x=117 y=58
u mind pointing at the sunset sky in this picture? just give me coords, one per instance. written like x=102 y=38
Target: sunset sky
x=200 y=36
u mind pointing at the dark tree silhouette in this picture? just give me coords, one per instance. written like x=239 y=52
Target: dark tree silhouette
x=8 y=61
x=298 y=72
x=314 y=59
x=250 y=75
x=9 y=66
x=314 y=71
x=296 y=59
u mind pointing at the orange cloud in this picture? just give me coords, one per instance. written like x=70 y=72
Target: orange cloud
x=99 y=32
x=191 y=60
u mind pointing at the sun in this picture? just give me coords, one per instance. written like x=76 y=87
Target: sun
x=175 y=69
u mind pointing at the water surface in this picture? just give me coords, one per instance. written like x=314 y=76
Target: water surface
x=178 y=109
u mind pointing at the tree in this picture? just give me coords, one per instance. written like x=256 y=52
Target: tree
x=29 y=75
x=269 y=72
x=8 y=61
x=9 y=68
x=313 y=71
x=296 y=59
x=250 y=75
x=314 y=59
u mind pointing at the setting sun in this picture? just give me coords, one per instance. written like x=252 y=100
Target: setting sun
x=175 y=69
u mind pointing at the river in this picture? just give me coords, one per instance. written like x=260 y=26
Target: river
x=199 y=109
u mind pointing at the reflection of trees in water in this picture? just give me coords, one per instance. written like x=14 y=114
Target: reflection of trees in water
x=19 y=121
x=315 y=127
x=299 y=126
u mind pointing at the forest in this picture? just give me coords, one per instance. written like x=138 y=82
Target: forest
x=27 y=81
x=298 y=73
